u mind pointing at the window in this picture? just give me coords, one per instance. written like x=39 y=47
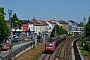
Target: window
x=49 y=45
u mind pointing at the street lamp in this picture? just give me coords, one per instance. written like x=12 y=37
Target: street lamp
x=21 y=31
x=10 y=13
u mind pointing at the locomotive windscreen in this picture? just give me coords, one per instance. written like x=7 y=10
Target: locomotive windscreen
x=49 y=45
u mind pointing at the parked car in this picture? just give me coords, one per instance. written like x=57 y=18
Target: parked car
x=7 y=40
x=15 y=38
x=5 y=47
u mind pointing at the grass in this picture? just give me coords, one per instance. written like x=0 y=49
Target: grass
x=83 y=51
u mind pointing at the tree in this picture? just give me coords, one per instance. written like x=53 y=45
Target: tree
x=59 y=31
x=4 y=30
x=13 y=19
x=88 y=27
x=89 y=19
x=15 y=22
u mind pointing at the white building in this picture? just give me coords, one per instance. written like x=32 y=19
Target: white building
x=51 y=25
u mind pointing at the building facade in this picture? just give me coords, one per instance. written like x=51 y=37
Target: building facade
x=63 y=23
x=51 y=25
x=72 y=26
x=38 y=26
x=80 y=27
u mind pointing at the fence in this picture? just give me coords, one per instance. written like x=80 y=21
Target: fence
x=19 y=51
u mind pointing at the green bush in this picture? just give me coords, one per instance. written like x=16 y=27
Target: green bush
x=89 y=47
x=59 y=31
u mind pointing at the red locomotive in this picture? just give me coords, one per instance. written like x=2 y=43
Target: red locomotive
x=53 y=43
x=50 y=46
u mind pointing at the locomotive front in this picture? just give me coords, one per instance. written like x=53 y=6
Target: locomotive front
x=50 y=46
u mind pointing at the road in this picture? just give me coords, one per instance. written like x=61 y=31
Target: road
x=5 y=53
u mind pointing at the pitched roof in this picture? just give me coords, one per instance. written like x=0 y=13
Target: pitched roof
x=51 y=22
x=36 y=22
x=62 y=22
x=80 y=25
x=72 y=21
x=27 y=21
x=43 y=22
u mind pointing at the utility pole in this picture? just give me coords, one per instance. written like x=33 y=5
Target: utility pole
x=55 y=26
x=40 y=26
x=55 y=29
x=21 y=31
x=10 y=13
x=33 y=23
x=84 y=26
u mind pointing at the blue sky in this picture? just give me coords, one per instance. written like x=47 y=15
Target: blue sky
x=48 y=9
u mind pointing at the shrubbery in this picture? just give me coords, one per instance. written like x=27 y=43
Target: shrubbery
x=59 y=30
x=87 y=46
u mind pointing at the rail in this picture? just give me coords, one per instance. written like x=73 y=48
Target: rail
x=63 y=51
x=50 y=55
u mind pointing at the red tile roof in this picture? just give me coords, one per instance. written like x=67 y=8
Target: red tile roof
x=39 y=22
x=43 y=22
x=35 y=22
x=51 y=22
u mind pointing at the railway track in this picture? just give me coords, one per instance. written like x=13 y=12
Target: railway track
x=62 y=52
x=76 y=53
x=45 y=57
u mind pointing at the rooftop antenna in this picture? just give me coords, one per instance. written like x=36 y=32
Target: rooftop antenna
x=33 y=17
x=88 y=12
x=53 y=18
x=28 y=19
x=61 y=18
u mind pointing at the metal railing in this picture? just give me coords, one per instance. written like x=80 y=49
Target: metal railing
x=17 y=52
x=20 y=50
